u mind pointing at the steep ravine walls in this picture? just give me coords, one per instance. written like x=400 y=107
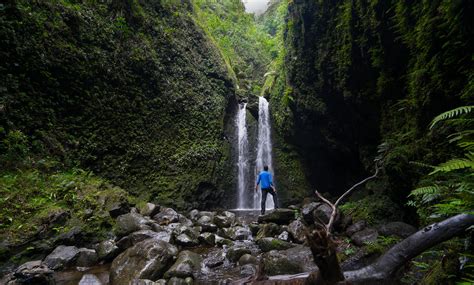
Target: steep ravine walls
x=357 y=74
x=132 y=90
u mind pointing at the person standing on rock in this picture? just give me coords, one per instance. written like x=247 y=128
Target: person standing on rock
x=266 y=184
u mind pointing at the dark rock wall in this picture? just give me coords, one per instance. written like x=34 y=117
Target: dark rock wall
x=360 y=73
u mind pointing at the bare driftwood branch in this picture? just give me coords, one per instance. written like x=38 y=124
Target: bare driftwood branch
x=349 y=191
x=409 y=248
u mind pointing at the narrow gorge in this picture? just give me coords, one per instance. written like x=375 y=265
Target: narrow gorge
x=132 y=134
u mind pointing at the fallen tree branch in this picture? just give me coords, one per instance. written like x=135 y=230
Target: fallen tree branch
x=409 y=248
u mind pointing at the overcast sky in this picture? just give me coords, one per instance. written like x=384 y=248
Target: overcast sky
x=255 y=6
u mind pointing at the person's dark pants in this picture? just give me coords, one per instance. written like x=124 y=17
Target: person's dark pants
x=265 y=191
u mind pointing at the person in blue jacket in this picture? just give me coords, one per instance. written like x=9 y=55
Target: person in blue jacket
x=266 y=184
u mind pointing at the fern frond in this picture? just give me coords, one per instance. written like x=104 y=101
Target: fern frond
x=433 y=189
x=451 y=114
x=454 y=164
x=421 y=164
x=467 y=146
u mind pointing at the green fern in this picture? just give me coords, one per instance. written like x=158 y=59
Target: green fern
x=432 y=189
x=454 y=164
x=451 y=114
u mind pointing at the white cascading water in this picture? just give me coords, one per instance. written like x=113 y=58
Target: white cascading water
x=264 y=149
x=243 y=155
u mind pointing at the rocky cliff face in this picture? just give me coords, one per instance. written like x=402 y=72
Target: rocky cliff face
x=361 y=73
x=133 y=90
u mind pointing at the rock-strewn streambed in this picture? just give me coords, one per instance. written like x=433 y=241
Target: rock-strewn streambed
x=157 y=245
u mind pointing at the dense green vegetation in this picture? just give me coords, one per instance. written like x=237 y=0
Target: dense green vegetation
x=132 y=90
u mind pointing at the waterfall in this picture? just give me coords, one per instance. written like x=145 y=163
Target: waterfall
x=243 y=154
x=264 y=149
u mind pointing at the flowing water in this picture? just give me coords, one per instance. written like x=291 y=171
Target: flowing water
x=264 y=149
x=263 y=157
x=243 y=155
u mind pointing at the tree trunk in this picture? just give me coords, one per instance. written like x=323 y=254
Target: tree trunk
x=409 y=248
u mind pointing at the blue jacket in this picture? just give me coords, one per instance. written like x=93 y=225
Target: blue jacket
x=265 y=180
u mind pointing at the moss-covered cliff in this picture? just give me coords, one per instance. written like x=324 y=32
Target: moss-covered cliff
x=133 y=90
x=360 y=73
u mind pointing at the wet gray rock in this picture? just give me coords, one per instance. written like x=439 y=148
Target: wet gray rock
x=248 y=259
x=225 y=220
x=61 y=257
x=118 y=209
x=131 y=222
x=254 y=228
x=185 y=240
x=184 y=221
x=148 y=259
x=220 y=241
x=214 y=259
x=90 y=279
x=307 y=212
x=107 y=250
x=268 y=230
x=277 y=263
x=149 y=209
x=302 y=256
x=142 y=235
x=185 y=266
x=399 y=229
x=33 y=272
x=190 y=231
x=248 y=270
x=235 y=252
x=180 y=281
x=86 y=257
x=205 y=222
x=194 y=214
x=207 y=213
x=323 y=213
x=239 y=233
x=268 y=244
x=285 y=236
x=148 y=282
x=278 y=216
x=71 y=237
x=297 y=231
x=207 y=238
x=364 y=236
x=357 y=227
x=166 y=216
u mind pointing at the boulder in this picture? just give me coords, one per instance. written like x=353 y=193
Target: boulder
x=285 y=236
x=220 y=241
x=118 y=209
x=277 y=263
x=207 y=213
x=186 y=240
x=364 y=236
x=131 y=222
x=184 y=221
x=225 y=220
x=307 y=212
x=278 y=216
x=297 y=231
x=186 y=265
x=248 y=270
x=357 y=227
x=268 y=244
x=205 y=222
x=61 y=257
x=34 y=272
x=149 y=209
x=323 y=213
x=90 y=279
x=166 y=216
x=71 y=237
x=190 y=231
x=214 y=259
x=207 y=238
x=149 y=282
x=399 y=229
x=86 y=257
x=302 y=256
x=268 y=230
x=194 y=214
x=180 y=281
x=254 y=228
x=148 y=259
x=239 y=233
x=235 y=252
x=139 y=236
x=107 y=250
x=247 y=259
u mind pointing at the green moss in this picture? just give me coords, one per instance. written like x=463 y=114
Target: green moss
x=373 y=209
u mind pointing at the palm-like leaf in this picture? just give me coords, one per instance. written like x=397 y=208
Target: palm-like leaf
x=451 y=114
x=454 y=164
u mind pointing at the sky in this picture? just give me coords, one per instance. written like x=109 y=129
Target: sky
x=255 y=6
